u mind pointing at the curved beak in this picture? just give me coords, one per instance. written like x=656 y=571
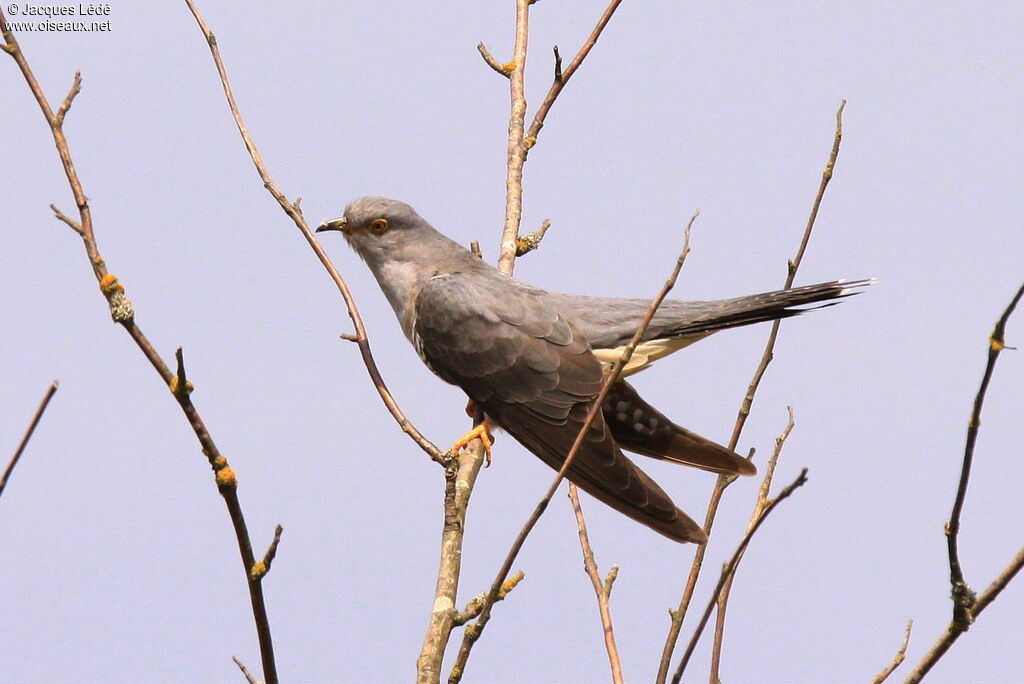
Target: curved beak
x=334 y=224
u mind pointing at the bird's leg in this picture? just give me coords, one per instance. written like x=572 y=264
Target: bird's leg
x=482 y=431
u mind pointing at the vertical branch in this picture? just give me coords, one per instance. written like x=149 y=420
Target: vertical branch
x=966 y=606
x=516 y=148
x=962 y=595
x=512 y=245
x=520 y=143
x=123 y=313
x=459 y=482
x=28 y=434
x=759 y=506
x=730 y=568
x=602 y=588
x=473 y=632
x=724 y=481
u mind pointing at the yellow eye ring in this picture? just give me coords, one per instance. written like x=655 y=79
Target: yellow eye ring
x=379 y=225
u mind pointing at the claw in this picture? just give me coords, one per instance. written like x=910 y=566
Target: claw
x=481 y=432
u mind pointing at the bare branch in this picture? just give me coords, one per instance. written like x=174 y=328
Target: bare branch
x=897 y=659
x=295 y=214
x=724 y=481
x=966 y=606
x=516 y=146
x=123 y=313
x=59 y=215
x=963 y=597
x=472 y=632
x=51 y=390
x=503 y=69
x=762 y=502
x=602 y=589
x=528 y=243
x=260 y=569
x=953 y=632
x=519 y=143
x=562 y=77
x=460 y=479
x=473 y=608
x=76 y=87
x=245 y=672
x=730 y=567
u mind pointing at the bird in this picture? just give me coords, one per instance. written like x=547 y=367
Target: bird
x=534 y=360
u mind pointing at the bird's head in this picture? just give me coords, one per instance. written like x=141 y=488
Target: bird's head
x=400 y=247
x=378 y=228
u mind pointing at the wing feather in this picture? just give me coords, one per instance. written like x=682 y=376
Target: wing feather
x=533 y=373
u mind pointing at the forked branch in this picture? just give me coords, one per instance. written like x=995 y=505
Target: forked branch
x=967 y=606
x=472 y=632
x=724 y=481
x=123 y=312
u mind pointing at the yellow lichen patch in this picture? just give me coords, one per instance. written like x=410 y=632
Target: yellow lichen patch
x=175 y=386
x=108 y=284
x=510 y=584
x=219 y=462
x=258 y=570
x=226 y=477
x=996 y=345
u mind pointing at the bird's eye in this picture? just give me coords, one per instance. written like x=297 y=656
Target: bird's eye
x=379 y=225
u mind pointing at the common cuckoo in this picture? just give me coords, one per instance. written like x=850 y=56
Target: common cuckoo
x=533 y=359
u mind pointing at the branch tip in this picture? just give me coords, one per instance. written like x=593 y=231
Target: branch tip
x=245 y=672
x=71 y=223
x=503 y=69
x=76 y=87
x=528 y=243
x=36 y=417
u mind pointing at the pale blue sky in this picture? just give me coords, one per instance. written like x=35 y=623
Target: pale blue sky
x=118 y=562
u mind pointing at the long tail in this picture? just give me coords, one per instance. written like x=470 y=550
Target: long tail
x=767 y=306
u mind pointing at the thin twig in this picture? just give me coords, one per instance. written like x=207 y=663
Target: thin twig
x=503 y=69
x=677 y=615
x=472 y=632
x=759 y=506
x=730 y=567
x=953 y=632
x=71 y=223
x=963 y=597
x=50 y=391
x=519 y=143
x=473 y=608
x=531 y=241
x=967 y=607
x=516 y=148
x=562 y=76
x=294 y=212
x=76 y=86
x=260 y=569
x=897 y=659
x=602 y=588
x=123 y=313
x=245 y=671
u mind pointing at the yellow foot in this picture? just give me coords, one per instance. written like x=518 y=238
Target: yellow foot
x=481 y=432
